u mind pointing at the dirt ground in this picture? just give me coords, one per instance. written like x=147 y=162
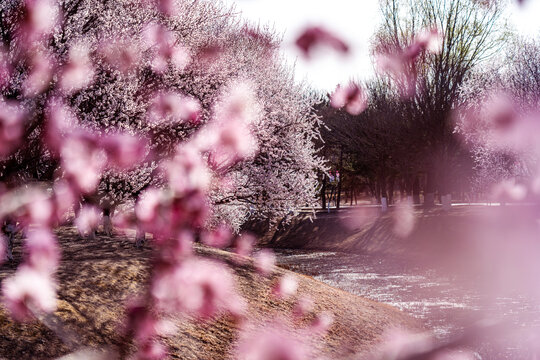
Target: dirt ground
x=97 y=277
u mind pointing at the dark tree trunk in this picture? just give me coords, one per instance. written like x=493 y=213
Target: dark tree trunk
x=416 y=190
x=323 y=192
x=340 y=179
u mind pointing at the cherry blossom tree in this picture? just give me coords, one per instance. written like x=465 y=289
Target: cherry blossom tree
x=147 y=81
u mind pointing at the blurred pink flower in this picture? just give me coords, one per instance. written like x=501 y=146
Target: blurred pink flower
x=40 y=210
x=64 y=198
x=82 y=162
x=60 y=121
x=124 y=150
x=351 y=96
x=264 y=261
x=147 y=207
x=322 y=322
x=430 y=40
x=28 y=291
x=164 y=43
x=171 y=108
x=40 y=76
x=187 y=171
x=285 y=287
x=168 y=7
x=243 y=244
x=404 y=219
x=271 y=341
x=197 y=287
x=88 y=219
x=399 y=63
x=123 y=55
x=303 y=306
x=40 y=18
x=11 y=126
x=400 y=344
x=42 y=250
x=316 y=36
x=509 y=190
x=78 y=72
x=182 y=245
x=219 y=237
x=150 y=350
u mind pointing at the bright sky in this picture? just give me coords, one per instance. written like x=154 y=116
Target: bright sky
x=354 y=21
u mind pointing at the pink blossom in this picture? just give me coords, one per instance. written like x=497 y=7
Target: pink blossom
x=64 y=198
x=316 y=36
x=400 y=63
x=40 y=18
x=122 y=55
x=399 y=344
x=28 y=291
x=172 y=108
x=303 y=306
x=41 y=73
x=430 y=39
x=148 y=205
x=144 y=324
x=404 y=219
x=198 y=287
x=509 y=190
x=286 y=286
x=168 y=7
x=400 y=69
x=187 y=171
x=265 y=261
x=40 y=210
x=271 y=341
x=124 y=150
x=166 y=49
x=182 y=245
x=150 y=350
x=42 y=249
x=352 y=97
x=60 y=121
x=87 y=220
x=78 y=71
x=11 y=127
x=244 y=244
x=322 y=322
x=83 y=163
x=238 y=104
x=219 y=237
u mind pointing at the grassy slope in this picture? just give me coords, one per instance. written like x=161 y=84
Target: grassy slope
x=96 y=277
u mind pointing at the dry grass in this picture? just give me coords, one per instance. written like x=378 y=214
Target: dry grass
x=97 y=277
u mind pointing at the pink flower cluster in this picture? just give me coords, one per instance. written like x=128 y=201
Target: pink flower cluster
x=399 y=63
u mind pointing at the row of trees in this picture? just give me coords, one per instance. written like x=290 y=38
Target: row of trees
x=406 y=139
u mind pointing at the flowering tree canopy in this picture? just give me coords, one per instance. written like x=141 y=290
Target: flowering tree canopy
x=139 y=81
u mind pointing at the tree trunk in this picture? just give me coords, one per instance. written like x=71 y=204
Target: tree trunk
x=429 y=193
x=323 y=192
x=340 y=178
x=416 y=190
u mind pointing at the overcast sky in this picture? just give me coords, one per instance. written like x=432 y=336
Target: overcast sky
x=353 y=20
